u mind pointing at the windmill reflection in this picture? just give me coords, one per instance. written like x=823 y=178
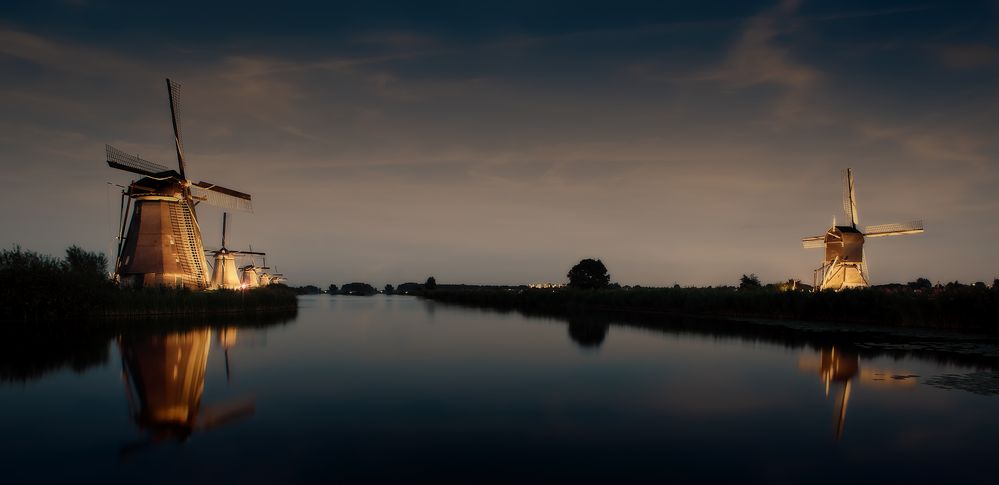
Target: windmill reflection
x=840 y=368
x=165 y=380
x=837 y=369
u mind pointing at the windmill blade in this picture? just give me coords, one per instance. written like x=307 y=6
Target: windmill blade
x=221 y=196
x=173 y=90
x=899 y=229
x=813 y=242
x=850 y=198
x=218 y=415
x=131 y=163
x=247 y=253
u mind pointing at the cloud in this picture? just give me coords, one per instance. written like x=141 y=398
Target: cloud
x=62 y=56
x=757 y=57
x=967 y=56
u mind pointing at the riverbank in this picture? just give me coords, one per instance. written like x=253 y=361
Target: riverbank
x=52 y=308
x=964 y=308
x=42 y=290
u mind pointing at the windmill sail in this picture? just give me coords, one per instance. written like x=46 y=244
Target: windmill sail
x=221 y=197
x=132 y=163
x=174 y=91
x=813 y=242
x=850 y=199
x=899 y=229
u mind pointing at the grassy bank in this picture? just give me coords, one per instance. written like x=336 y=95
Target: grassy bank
x=966 y=307
x=40 y=288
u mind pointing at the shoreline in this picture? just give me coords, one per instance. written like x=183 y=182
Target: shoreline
x=966 y=346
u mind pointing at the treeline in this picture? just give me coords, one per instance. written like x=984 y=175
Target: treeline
x=40 y=288
x=956 y=306
x=367 y=289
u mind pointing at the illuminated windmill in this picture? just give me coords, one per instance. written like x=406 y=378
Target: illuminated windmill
x=844 y=265
x=163 y=246
x=224 y=274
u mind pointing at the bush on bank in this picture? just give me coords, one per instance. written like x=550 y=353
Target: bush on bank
x=36 y=287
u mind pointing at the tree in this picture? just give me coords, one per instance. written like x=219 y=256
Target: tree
x=358 y=289
x=749 y=282
x=431 y=283
x=389 y=289
x=920 y=284
x=86 y=266
x=589 y=274
x=332 y=289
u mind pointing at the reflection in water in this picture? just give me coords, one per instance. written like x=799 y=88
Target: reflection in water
x=227 y=340
x=837 y=370
x=165 y=378
x=588 y=332
x=839 y=367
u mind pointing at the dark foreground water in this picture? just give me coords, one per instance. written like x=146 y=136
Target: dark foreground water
x=400 y=389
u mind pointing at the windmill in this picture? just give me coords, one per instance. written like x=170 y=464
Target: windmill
x=163 y=246
x=224 y=274
x=165 y=378
x=844 y=265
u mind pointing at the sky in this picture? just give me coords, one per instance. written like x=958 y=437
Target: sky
x=501 y=142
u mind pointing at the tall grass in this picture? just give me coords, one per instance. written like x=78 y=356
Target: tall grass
x=40 y=288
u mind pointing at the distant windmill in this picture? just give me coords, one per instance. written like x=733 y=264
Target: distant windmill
x=844 y=265
x=163 y=246
x=224 y=274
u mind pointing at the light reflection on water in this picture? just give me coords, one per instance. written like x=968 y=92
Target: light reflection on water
x=394 y=387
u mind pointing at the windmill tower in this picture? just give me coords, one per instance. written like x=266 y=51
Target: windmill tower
x=844 y=265
x=163 y=245
x=224 y=274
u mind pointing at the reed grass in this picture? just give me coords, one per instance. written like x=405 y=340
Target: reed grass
x=41 y=288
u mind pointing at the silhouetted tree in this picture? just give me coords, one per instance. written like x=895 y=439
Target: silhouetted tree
x=431 y=283
x=588 y=332
x=358 y=289
x=86 y=265
x=332 y=289
x=588 y=274
x=407 y=288
x=749 y=282
x=306 y=290
x=920 y=284
x=389 y=289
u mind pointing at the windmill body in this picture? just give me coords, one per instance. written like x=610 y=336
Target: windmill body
x=251 y=276
x=224 y=275
x=844 y=265
x=162 y=245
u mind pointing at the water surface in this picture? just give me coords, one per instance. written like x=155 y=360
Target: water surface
x=397 y=388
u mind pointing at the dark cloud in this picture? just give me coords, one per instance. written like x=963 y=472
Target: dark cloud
x=686 y=142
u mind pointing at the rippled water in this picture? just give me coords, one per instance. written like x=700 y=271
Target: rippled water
x=401 y=389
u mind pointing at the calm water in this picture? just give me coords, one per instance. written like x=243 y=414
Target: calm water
x=402 y=389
